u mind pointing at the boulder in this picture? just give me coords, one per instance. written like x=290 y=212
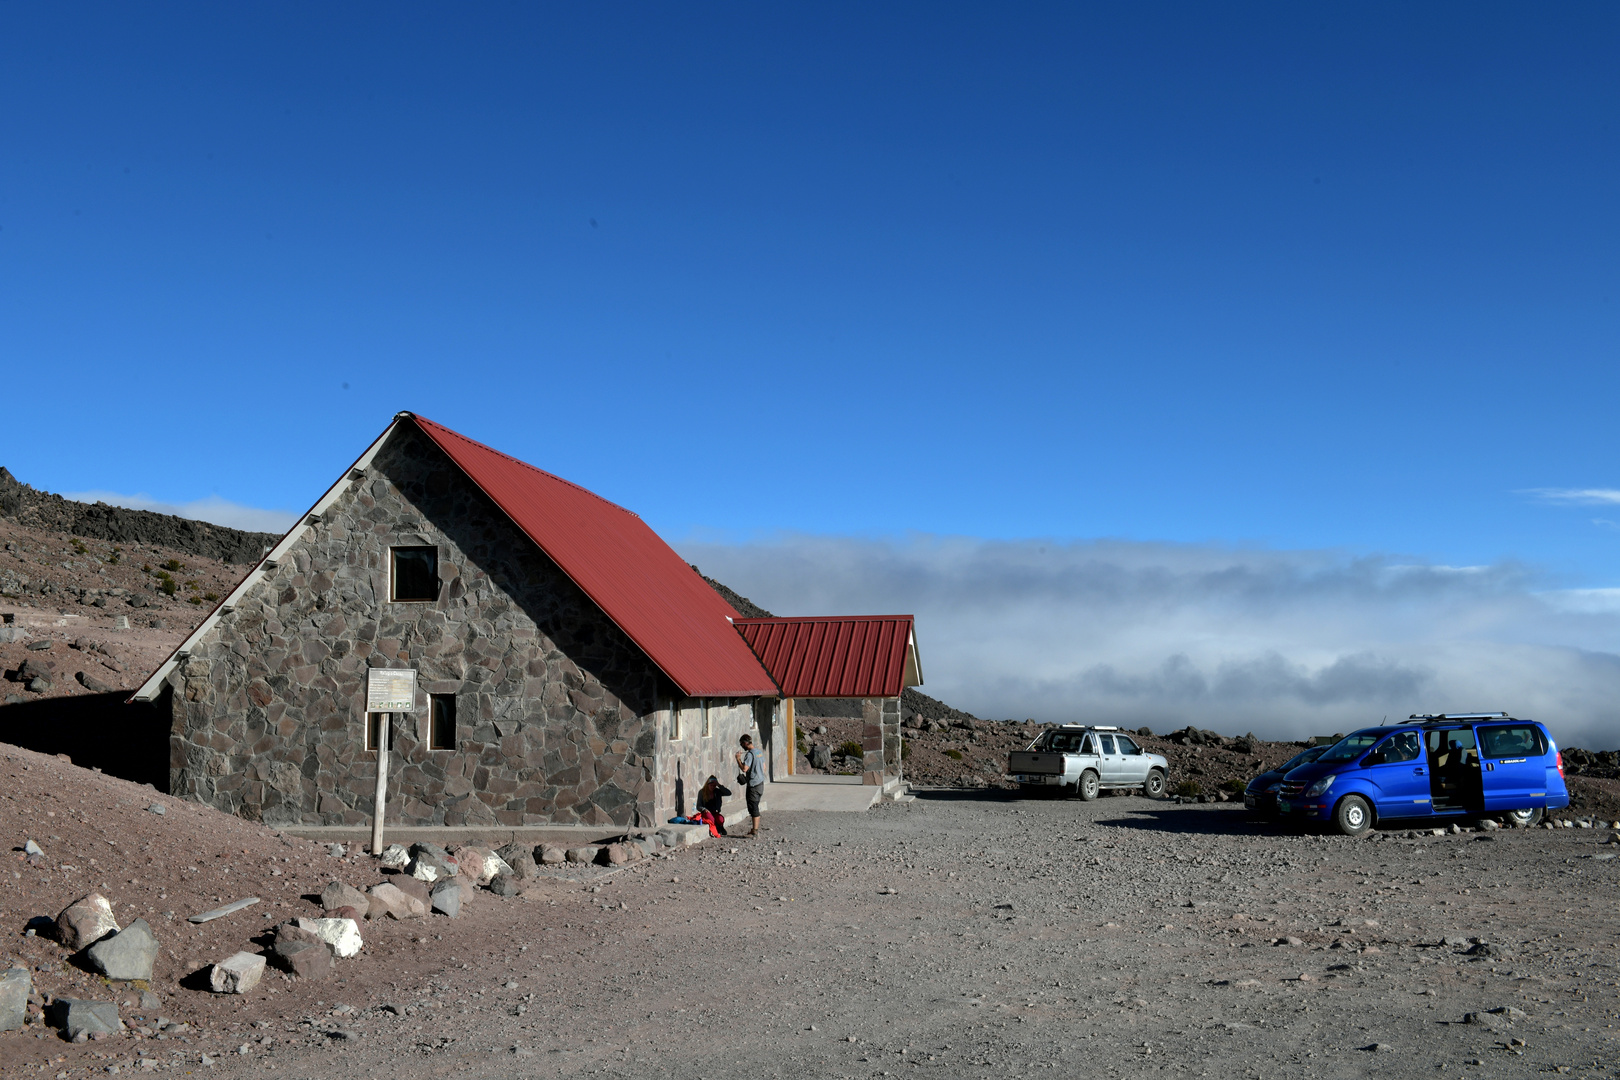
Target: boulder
x=615 y=854
x=306 y=959
x=344 y=911
x=35 y=668
x=93 y=684
x=85 y=921
x=396 y=857
x=77 y=1017
x=584 y=854
x=480 y=864
x=127 y=954
x=15 y=986
x=821 y=756
x=236 y=975
x=505 y=885
x=519 y=859
x=342 y=936
x=448 y=898
x=395 y=903
x=551 y=854
x=292 y=932
x=337 y=895
x=419 y=889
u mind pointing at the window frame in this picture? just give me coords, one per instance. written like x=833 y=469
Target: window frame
x=374 y=722
x=708 y=722
x=393 y=574
x=436 y=703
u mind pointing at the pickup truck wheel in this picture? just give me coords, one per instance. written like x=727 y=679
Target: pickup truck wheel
x=1524 y=818
x=1089 y=785
x=1352 y=816
x=1154 y=788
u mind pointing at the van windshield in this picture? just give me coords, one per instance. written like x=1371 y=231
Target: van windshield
x=1350 y=747
x=1305 y=757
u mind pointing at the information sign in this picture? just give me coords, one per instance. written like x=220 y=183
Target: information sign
x=391 y=690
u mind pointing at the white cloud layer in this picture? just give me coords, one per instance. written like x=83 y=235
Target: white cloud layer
x=1285 y=644
x=214 y=510
x=1578 y=496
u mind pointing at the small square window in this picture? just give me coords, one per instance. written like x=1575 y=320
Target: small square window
x=374 y=729
x=441 y=721
x=414 y=574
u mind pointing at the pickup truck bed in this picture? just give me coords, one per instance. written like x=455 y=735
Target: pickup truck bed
x=1034 y=761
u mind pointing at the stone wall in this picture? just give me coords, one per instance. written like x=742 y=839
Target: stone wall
x=880 y=740
x=557 y=709
x=685 y=763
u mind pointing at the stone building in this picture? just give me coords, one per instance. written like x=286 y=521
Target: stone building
x=571 y=668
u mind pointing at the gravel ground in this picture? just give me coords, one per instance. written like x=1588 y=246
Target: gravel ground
x=967 y=933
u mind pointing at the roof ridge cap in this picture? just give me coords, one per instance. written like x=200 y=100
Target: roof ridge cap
x=532 y=468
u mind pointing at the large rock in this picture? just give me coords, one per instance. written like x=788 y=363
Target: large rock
x=78 y=1017
x=342 y=936
x=293 y=932
x=449 y=897
x=430 y=862
x=337 y=895
x=552 y=854
x=396 y=857
x=520 y=857
x=617 y=854
x=396 y=903
x=85 y=921
x=413 y=886
x=15 y=986
x=821 y=756
x=479 y=864
x=505 y=885
x=127 y=954
x=586 y=853
x=306 y=959
x=236 y=975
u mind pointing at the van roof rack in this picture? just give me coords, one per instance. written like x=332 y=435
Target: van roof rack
x=1440 y=717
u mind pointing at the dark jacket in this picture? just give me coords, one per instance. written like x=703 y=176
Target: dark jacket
x=712 y=805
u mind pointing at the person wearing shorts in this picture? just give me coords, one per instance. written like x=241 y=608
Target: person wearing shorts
x=752 y=763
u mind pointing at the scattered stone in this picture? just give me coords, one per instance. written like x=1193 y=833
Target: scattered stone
x=396 y=857
x=342 y=936
x=1379 y=1048
x=157 y=808
x=31 y=848
x=505 y=885
x=81 y=1019
x=888 y=890
x=15 y=987
x=93 y=684
x=38 y=646
x=393 y=902
x=229 y=909
x=337 y=895
x=127 y=954
x=237 y=975
x=291 y=932
x=336 y=851
x=85 y=921
x=448 y=898
x=306 y=959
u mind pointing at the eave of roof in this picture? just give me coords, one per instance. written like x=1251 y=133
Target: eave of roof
x=836 y=657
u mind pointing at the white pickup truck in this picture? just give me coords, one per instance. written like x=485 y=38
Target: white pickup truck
x=1084 y=759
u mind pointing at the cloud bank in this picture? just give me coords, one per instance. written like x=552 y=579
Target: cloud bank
x=214 y=510
x=1285 y=644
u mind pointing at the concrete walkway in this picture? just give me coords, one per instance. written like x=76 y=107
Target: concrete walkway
x=841 y=793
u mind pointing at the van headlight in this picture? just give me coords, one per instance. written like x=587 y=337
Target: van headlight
x=1320 y=786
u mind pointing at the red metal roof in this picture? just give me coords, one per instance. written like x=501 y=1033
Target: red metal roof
x=633 y=576
x=858 y=656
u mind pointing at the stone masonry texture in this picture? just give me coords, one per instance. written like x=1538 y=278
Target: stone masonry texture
x=558 y=712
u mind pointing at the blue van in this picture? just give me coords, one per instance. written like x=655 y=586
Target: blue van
x=1458 y=765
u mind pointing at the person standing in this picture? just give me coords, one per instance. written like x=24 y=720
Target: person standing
x=751 y=769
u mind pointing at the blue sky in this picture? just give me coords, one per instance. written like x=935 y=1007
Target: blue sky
x=1251 y=278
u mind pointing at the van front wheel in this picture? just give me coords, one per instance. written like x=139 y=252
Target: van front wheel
x=1154 y=788
x=1352 y=816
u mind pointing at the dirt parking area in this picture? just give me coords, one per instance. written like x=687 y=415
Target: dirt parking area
x=966 y=933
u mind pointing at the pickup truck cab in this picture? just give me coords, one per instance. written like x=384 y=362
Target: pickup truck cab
x=1084 y=759
x=1447 y=766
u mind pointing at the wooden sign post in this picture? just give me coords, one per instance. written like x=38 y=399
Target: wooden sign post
x=388 y=691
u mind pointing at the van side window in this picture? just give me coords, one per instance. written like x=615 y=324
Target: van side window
x=1126 y=746
x=1511 y=741
x=1107 y=744
x=1401 y=747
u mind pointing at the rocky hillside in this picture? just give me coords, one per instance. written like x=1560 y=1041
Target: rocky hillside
x=41 y=510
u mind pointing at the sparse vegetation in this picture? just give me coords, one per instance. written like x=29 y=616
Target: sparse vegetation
x=1231 y=785
x=851 y=749
x=173 y=566
x=954 y=755
x=78 y=546
x=210 y=596
x=1189 y=788
x=116 y=556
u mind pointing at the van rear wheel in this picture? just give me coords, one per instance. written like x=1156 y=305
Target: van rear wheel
x=1524 y=819
x=1352 y=816
x=1089 y=785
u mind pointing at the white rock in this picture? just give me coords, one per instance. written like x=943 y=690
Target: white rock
x=342 y=936
x=422 y=871
x=396 y=856
x=237 y=975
